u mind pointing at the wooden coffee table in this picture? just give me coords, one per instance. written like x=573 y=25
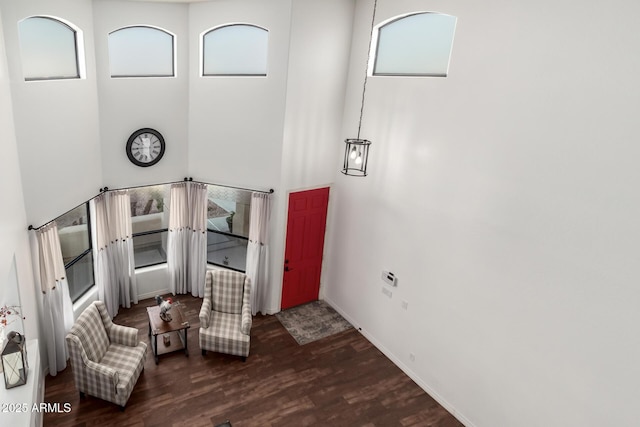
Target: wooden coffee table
x=176 y=331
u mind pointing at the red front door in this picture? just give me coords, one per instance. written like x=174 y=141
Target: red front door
x=304 y=245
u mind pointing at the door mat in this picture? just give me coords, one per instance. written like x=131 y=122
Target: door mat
x=312 y=321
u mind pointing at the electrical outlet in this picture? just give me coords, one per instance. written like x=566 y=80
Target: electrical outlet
x=387 y=292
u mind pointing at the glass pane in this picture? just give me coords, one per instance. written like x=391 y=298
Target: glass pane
x=140 y=51
x=415 y=45
x=150 y=249
x=48 y=49
x=235 y=50
x=73 y=230
x=227 y=251
x=148 y=208
x=228 y=210
x=80 y=276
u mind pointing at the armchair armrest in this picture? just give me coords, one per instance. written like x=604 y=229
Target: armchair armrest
x=124 y=335
x=245 y=326
x=91 y=377
x=205 y=313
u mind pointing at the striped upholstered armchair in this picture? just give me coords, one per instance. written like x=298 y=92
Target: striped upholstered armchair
x=225 y=316
x=106 y=358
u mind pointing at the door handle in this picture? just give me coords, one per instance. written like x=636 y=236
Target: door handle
x=286 y=268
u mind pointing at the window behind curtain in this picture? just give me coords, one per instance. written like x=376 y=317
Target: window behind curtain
x=75 y=243
x=228 y=211
x=149 y=221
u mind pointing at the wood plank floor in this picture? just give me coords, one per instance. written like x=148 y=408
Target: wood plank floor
x=342 y=380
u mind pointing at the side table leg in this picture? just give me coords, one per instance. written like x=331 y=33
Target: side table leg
x=154 y=344
x=186 y=348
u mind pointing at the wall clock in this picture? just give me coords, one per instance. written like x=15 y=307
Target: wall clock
x=145 y=147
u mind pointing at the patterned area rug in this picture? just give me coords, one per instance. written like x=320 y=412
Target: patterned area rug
x=312 y=321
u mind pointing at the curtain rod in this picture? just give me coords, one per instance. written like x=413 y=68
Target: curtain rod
x=189 y=179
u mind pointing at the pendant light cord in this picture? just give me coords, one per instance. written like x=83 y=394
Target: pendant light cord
x=366 y=71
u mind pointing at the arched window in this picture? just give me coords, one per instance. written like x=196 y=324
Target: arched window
x=50 y=49
x=235 y=50
x=417 y=44
x=141 y=51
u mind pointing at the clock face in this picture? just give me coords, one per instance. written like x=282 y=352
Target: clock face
x=145 y=147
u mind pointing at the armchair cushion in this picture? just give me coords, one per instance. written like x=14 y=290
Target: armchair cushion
x=90 y=330
x=226 y=295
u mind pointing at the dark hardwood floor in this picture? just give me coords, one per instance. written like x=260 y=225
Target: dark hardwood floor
x=342 y=380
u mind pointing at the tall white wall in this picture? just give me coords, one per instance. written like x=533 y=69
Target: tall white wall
x=504 y=197
x=320 y=44
x=56 y=121
x=13 y=218
x=129 y=104
x=236 y=123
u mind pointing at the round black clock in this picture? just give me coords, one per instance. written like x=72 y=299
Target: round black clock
x=145 y=147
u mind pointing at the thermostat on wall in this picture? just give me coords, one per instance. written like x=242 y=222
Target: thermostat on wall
x=389 y=278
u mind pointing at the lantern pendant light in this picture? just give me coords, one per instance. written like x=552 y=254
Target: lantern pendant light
x=356 y=150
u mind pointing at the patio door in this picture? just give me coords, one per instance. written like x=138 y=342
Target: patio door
x=306 y=223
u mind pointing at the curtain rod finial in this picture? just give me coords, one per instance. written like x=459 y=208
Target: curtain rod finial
x=30 y=227
x=271 y=190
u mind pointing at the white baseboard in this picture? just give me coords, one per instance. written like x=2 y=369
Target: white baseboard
x=443 y=402
x=153 y=294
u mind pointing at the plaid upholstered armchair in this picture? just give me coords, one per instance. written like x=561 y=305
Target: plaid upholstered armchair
x=106 y=358
x=225 y=316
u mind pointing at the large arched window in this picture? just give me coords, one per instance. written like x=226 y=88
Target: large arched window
x=141 y=51
x=235 y=50
x=417 y=44
x=51 y=48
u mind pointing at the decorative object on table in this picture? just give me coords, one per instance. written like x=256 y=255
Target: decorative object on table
x=9 y=314
x=356 y=150
x=145 y=147
x=166 y=339
x=14 y=360
x=165 y=306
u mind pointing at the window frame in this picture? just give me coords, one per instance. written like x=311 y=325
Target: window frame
x=174 y=71
x=219 y=27
x=78 y=44
x=148 y=232
x=89 y=250
x=375 y=44
x=237 y=200
x=235 y=236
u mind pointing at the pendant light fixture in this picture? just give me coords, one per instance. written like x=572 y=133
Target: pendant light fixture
x=356 y=150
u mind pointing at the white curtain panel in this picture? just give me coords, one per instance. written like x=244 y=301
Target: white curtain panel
x=197 y=267
x=257 y=252
x=120 y=228
x=57 y=316
x=177 y=255
x=187 y=241
x=115 y=264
